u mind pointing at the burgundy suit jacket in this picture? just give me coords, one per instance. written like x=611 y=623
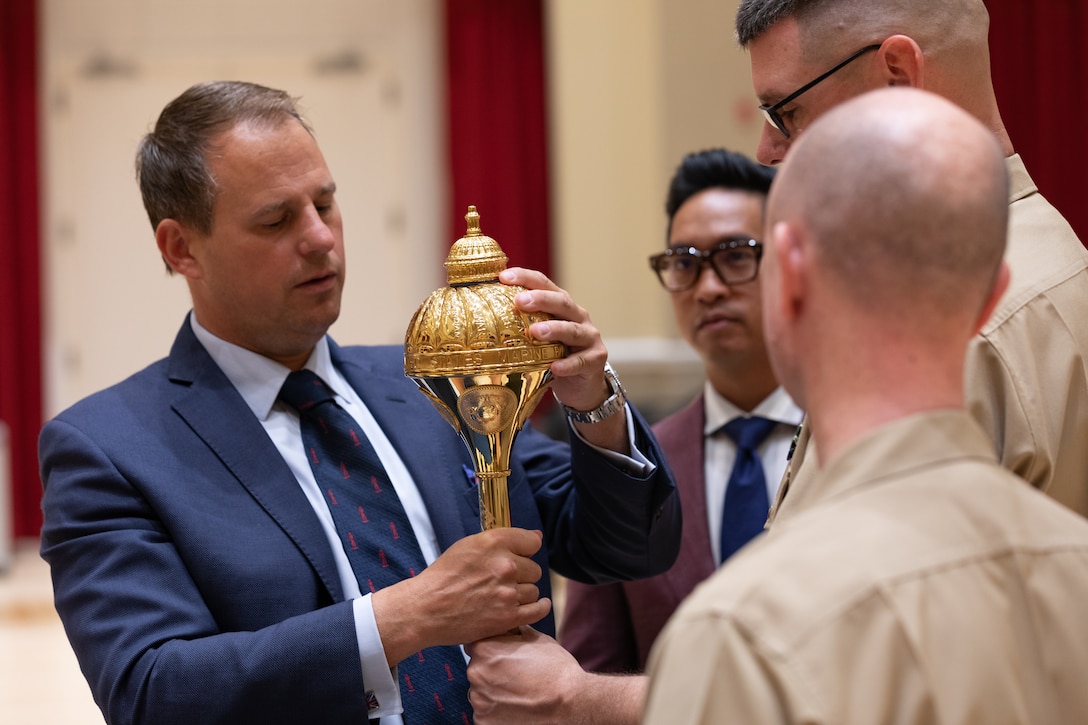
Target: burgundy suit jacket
x=610 y=628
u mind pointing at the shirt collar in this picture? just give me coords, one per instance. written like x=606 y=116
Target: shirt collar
x=778 y=406
x=906 y=446
x=1020 y=183
x=257 y=378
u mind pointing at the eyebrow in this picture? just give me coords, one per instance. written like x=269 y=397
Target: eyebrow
x=717 y=240
x=270 y=209
x=278 y=206
x=773 y=96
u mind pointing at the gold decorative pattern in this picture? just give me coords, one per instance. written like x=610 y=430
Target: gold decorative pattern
x=473 y=325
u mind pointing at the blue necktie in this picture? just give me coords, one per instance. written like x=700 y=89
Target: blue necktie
x=377 y=538
x=746 y=500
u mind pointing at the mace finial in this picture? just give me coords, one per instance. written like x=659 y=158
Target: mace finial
x=473 y=221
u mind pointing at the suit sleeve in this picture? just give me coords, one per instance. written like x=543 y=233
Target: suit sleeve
x=597 y=628
x=601 y=524
x=150 y=640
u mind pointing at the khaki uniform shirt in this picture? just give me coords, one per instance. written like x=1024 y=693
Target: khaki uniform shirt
x=1027 y=371
x=915 y=581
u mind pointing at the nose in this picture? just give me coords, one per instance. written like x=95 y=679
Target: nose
x=320 y=231
x=773 y=145
x=709 y=286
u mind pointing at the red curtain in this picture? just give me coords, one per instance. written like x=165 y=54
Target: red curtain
x=1040 y=65
x=498 y=124
x=20 y=308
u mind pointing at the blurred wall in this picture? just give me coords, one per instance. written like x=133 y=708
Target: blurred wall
x=634 y=84
x=632 y=92
x=367 y=75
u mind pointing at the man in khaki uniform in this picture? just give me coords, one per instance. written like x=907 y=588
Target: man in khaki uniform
x=915 y=581
x=1027 y=370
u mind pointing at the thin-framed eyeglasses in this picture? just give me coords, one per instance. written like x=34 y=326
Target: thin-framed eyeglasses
x=735 y=260
x=771 y=112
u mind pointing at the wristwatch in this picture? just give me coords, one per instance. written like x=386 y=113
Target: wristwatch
x=609 y=407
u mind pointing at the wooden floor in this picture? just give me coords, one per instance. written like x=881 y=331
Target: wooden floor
x=40 y=682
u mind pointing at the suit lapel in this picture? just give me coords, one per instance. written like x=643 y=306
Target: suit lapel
x=681 y=438
x=421 y=438
x=215 y=411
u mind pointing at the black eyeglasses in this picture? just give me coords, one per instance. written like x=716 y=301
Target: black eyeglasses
x=734 y=260
x=771 y=112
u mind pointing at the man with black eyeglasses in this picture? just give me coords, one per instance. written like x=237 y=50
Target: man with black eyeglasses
x=710 y=270
x=1027 y=370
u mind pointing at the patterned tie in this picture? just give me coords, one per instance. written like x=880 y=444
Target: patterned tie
x=377 y=538
x=746 y=501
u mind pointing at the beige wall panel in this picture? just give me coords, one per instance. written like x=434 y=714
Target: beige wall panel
x=633 y=85
x=606 y=71
x=373 y=95
x=636 y=84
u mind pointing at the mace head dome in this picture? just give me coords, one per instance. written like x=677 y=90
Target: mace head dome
x=472 y=326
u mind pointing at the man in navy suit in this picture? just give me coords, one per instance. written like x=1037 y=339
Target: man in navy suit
x=195 y=563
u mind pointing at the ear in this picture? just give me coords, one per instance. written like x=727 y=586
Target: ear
x=788 y=245
x=901 y=62
x=174 y=240
x=1001 y=283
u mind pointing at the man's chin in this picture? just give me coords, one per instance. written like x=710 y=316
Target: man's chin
x=724 y=337
x=314 y=325
x=733 y=351
x=327 y=313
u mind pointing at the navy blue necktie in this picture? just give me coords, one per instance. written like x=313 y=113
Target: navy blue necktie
x=377 y=538
x=746 y=500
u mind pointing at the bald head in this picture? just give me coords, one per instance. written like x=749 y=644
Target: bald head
x=905 y=199
x=886 y=231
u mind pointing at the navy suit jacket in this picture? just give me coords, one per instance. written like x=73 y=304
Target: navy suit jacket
x=194 y=580
x=611 y=628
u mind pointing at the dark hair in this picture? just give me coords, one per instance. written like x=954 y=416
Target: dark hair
x=715 y=169
x=171 y=161
x=754 y=17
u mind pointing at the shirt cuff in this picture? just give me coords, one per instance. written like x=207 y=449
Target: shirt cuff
x=382 y=689
x=636 y=465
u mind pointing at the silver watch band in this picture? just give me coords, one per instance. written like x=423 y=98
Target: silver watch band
x=608 y=408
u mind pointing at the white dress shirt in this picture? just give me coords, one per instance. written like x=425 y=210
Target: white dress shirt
x=721 y=451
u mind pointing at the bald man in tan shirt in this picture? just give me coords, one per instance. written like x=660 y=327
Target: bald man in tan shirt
x=915 y=581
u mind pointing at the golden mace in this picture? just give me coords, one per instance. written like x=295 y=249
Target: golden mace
x=469 y=351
